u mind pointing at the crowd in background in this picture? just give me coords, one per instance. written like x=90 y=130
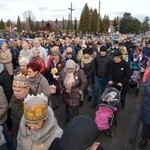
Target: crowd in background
x=63 y=66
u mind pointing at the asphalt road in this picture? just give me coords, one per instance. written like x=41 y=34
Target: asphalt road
x=125 y=134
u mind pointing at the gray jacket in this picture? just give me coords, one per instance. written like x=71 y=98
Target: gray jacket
x=39 y=84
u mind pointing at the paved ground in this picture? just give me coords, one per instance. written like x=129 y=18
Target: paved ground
x=125 y=137
x=127 y=133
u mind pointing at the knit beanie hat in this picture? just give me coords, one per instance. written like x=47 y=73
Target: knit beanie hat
x=80 y=133
x=116 y=53
x=103 y=49
x=35 y=108
x=71 y=64
x=86 y=51
x=20 y=81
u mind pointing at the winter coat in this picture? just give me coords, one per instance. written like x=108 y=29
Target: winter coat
x=145 y=110
x=119 y=72
x=5 y=78
x=43 y=54
x=40 y=61
x=39 y=84
x=102 y=66
x=17 y=111
x=6 y=58
x=88 y=69
x=80 y=133
x=42 y=137
x=73 y=99
x=60 y=65
x=3 y=106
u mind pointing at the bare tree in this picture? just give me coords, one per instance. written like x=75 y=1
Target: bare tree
x=29 y=19
x=27 y=14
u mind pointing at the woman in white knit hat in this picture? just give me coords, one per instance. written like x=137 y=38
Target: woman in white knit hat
x=73 y=85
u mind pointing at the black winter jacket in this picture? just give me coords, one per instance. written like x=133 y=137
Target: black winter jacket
x=119 y=72
x=102 y=66
x=6 y=83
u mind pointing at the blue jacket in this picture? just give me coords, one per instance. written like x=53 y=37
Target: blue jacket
x=145 y=111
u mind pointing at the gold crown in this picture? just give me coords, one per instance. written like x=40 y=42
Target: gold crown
x=20 y=81
x=35 y=107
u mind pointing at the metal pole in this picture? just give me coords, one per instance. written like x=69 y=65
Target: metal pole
x=98 y=23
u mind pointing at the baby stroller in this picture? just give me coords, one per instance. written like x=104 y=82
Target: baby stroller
x=107 y=110
x=134 y=81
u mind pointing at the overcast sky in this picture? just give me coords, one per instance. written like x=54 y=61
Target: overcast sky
x=52 y=9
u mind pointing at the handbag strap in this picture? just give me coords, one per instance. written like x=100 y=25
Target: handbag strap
x=38 y=85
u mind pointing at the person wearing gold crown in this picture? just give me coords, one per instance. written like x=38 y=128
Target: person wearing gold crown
x=38 y=126
x=21 y=88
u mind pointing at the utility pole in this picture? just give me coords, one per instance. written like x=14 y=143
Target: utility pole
x=98 y=21
x=71 y=9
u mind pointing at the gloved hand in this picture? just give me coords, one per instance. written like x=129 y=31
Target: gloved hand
x=81 y=103
x=110 y=82
x=119 y=84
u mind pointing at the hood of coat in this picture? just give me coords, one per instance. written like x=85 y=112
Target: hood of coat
x=80 y=133
x=77 y=68
x=49 y=131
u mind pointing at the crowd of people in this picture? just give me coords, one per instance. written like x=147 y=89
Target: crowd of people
x=36 y=74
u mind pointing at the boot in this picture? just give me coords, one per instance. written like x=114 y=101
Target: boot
x=143 y=142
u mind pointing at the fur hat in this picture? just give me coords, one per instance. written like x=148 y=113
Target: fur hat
x=35 y=107
x=21 y=81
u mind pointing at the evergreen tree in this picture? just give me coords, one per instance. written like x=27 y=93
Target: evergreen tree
x=106 y=23
x=37 y=26
x=128 y=24
x=2 y=25
x=56 y=21
x=94 y=21
x=69 y=24
x=145 y=25
x=75 y=25
x=43 y=25
x=19 y=27
x=31 y=24
x=85 y=19
x=8 y=23
x=115 y=24
x=63 y=23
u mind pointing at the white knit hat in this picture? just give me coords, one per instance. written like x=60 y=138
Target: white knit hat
x=71 y=64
